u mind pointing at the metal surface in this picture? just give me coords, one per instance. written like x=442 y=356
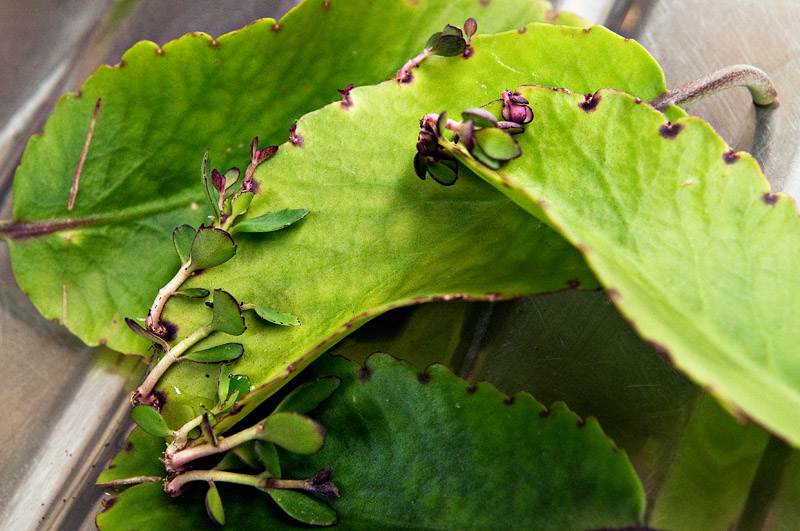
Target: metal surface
x=61 y=398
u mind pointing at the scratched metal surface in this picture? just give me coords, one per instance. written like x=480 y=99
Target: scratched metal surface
x=52 y=437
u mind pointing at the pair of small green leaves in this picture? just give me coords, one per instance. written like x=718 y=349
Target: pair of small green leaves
x=489 y=140
x=450 y=41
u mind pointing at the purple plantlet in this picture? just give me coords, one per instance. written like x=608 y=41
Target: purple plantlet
x=347 y=101
x=515 y=108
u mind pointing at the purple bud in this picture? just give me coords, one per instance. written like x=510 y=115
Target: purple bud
x=265 y=153
x=218 y=180
x=515 y=108
x=470 y=27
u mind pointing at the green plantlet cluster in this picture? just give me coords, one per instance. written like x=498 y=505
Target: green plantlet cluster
x=249 y=456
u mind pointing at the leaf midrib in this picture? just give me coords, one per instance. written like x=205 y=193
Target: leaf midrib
x=19 y=229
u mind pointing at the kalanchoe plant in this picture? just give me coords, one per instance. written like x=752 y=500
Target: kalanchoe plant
x=447 y=43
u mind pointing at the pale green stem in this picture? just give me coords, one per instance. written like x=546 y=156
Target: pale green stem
x=170 y=357
x=228 y=222
x=180 y=459
x=181 y=436
x=261 y=481
x=153 y=321
x=176 y=484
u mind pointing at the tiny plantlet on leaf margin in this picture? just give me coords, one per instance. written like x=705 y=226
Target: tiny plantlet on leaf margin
x=447 y=43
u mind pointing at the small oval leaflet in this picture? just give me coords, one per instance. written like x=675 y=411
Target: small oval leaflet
x=268 y=455
x=227 y=314
x=303 y=507
x=274 y=316
x=271 y=221
x=214 y=505
x=482 y=117
x=150 y=421
x=182 y=238
x=294 y=432
x=216 y=354
x=497 y=144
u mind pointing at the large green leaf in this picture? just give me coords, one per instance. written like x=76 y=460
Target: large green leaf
x=376 y=238
x=161 y=109
x=427 y=450
x=684 y=233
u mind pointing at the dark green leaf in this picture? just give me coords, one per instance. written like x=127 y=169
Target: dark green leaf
x=182 y=238
x=211 y=247
x=139 y=458
x=432 y=40
x=309 y=395
x=443 y=173
x=391 y=431
x=216 y=354
x=150 y=421
x=452 y=30
x=276 y=317
x=303 y=507
x=294 y=432
x=227 y=314
x=270 y=221
x=497 y=144
x=214 y=505
x=192 y=293
x=449 y=45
